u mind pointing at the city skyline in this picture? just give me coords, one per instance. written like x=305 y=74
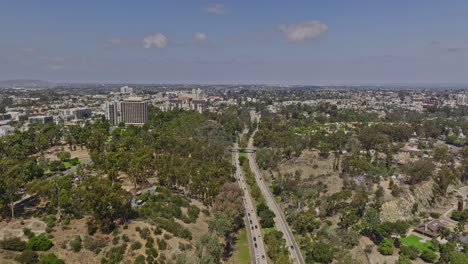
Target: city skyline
x=310 y=42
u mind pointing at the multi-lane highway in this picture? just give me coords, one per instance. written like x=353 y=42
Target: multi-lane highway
x=280 y=221
x=254 y=232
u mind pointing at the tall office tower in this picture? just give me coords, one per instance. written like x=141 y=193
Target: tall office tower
x=134 y=110
x=126 y=90
x=112 y=113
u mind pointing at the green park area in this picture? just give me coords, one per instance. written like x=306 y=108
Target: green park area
x=413 y=240
x=242 y=253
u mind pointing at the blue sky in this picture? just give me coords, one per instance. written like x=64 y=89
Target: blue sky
x=237 y=41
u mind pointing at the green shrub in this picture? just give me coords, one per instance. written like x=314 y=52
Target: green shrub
x=125 y=238
x=136 y=245
x=15 y=244
x=116 y=240
x=50 y=258
x=162 y=245
x=149 y=242
x=114 y=255
x=193 y=213
x=27 y=257
x=49 y=220
x=75 y=243
x=434 y=215
x=66 y=220
x=39 y=242
x=27 y=232
x=91 y=227
x=152 y=252
x=140 y=260
x=167 y=236
x=158 y=231
x=411 y=252
x=428 y=256
x=386 y=247
x=116 y=232
x=403 y=260
x=145 y=232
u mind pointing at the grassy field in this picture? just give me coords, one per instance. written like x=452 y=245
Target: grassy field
x=68 y=164
x=267 y=230
x=242 y=254
x=242 y=154
x=413 y=240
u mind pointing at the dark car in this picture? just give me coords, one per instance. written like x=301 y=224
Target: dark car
x=256 y=227
x=255 y=239
x=255 y=245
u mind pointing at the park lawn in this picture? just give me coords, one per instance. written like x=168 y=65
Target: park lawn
x=242 y=154
x=242 y=254
x=267 y=230
x=413 y=240
x=68 y=164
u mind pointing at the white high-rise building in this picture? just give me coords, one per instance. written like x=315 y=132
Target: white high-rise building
x=126 y=90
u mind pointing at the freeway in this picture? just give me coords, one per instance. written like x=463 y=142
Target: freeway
x=254 y=232
x=280 y=221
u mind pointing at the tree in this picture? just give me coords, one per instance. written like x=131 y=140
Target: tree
x=228 y=202
x=12 y=179
x=441 y=153
x=319 y=252
x=105 y=201
x=419 y=171
x=386 y=247
x=209 y=249
x=221 y=226
x=57 y=189
x=267 y=217
x=370 y=220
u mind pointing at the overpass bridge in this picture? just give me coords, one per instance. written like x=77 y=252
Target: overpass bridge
x=243 y=150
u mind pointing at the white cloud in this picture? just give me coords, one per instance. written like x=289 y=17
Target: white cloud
x=298 y=32
x=53 y=59
x=200 y=36
x=155 y=41
x=28 y=50
x=114 y=41
x=55 y=67
x=217 y=9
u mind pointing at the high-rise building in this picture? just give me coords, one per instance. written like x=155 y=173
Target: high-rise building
x=112 y=113
x=126 y=90
x=134 y=110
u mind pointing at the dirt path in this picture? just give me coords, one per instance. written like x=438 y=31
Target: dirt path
x=15 y=229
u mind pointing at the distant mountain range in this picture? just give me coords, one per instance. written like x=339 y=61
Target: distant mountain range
x=26 y=84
